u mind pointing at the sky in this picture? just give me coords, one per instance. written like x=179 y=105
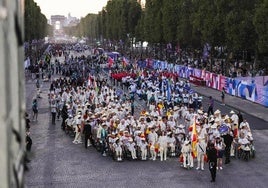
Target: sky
x=77 y=8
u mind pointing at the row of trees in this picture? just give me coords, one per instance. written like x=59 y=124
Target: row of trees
x=35 y=23
x=236 y=25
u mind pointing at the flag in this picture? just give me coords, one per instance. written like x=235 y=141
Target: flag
x=125 y=62
x=194 y=138
x=110 y=62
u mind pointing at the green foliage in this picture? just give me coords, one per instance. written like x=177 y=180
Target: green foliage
x=35 y=22
x=236 y=25
x=261 y=25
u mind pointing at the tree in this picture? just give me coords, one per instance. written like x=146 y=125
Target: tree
x=261 y=26
x=170 y=20
x=35 y=22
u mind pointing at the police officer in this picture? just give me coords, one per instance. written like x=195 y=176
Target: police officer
x=228 y=140
x=87 y=132
x=212 y=160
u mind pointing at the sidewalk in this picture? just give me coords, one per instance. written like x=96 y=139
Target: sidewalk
x=237 y=103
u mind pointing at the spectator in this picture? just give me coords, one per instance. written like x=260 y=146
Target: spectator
x=223 y=96
x=211 y=106
x=212 y=161
x=35 y=109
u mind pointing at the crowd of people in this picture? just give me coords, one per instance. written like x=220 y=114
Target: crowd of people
x=172 y=122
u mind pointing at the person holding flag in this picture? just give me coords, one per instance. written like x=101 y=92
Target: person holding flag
x=201 y=146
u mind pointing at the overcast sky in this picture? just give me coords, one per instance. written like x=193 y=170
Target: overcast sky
x=77 y=8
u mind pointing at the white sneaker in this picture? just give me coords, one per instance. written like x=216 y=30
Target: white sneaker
x=202 y=168
x=197 y=168
x=220 y=168
x=217 y=168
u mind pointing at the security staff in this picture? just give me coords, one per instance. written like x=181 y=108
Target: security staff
x=212 y=160
x=87 y=132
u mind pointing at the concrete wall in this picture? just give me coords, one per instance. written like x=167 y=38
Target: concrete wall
x=12 y=98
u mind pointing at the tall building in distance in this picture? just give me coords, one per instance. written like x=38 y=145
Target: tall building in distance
x=71 y=21
x=59 y=22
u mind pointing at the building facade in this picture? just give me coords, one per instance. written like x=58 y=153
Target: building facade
x=11 y=94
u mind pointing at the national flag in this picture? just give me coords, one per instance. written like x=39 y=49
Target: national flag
x=110 y=62
x=194 y=138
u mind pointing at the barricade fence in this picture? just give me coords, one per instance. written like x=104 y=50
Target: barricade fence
x=254 y=89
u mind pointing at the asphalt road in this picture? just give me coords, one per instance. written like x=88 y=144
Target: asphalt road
x=57 y=162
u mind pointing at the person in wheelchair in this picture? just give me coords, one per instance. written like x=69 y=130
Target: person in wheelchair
x=186 y=151
x=243 y=146
x=69 y=125
x=131 y=146
x=143 y=148
x=172 y=144
x=111 y=141
x=118 y=149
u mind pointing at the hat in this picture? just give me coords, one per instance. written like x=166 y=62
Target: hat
x=226 y=117
x=217 y=120
x=232 y=112
x=186 y=142
x=199 y=111
x=211 y=120
x=214 y=126
x=176 y=108
x=181 y=126
x=217 y=111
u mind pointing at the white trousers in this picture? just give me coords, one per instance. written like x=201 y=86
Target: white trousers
x=163 y=153
x=187 y=157
x=143 y=153
x=153 y=153
x=77 y=137
x=133 y=154
x=200 y=160
x=118 y=152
